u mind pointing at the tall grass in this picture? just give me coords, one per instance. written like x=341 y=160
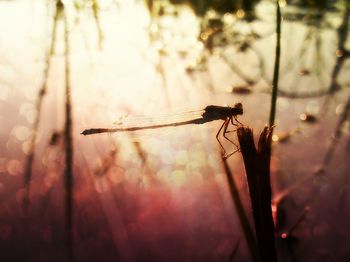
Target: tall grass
x=40 y=98
x=257 y=165
x=68 y=143
x=247 y=230
x=277 y=65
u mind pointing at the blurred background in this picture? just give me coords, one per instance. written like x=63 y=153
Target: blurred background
x=163 y=195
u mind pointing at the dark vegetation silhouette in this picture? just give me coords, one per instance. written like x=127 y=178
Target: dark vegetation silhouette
x=280 y=221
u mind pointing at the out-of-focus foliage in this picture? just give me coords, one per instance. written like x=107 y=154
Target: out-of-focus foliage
x=221 y=6
x=318 y=4
x=201 y=7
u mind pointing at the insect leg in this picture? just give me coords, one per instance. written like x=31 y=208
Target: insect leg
x=234 y=124
x=227 y=156
x=225 y=132
x=235 y=117
x=218 y=133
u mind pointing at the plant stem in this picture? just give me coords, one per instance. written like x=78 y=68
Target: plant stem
x=247 y=230
x=257 y=165
x=277 y=65
x=40 y=98
x=68 y=142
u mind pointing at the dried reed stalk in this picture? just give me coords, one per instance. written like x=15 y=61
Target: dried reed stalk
x=277 y=65
x=68 y=143
x=257 y=165
x=38 y=105
x=247 y=230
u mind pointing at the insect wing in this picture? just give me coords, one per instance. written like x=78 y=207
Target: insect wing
x=161 y=119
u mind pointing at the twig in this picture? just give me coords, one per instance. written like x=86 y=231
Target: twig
x=277 y=65
x=68 y=143
x=247 y=230
x=257 y=165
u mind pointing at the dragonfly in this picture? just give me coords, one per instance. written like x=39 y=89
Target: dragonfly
x=210 y=113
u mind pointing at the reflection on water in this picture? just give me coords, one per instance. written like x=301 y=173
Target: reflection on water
x=162 y=196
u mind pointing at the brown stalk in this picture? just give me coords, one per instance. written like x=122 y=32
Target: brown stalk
x=247 y=230
x=40 y=98
x=257 y=165
x=68 y=143
x=276 y=67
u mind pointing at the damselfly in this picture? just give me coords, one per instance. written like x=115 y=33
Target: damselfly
x=210 y=113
